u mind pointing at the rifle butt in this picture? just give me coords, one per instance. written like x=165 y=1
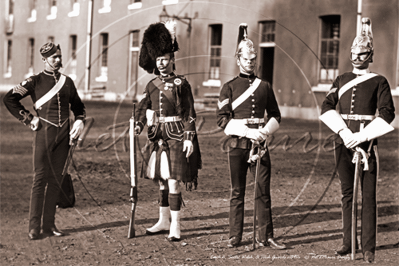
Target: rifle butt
x=132 y=231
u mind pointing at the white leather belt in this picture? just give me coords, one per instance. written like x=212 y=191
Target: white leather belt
x=252 y=121
x=358 y=117
x=164 y=119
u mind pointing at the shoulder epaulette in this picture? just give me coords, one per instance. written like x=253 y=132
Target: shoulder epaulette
x=228 y=82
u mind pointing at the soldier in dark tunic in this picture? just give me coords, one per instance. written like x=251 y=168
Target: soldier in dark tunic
x=172 y=153
x=242 y=105
x=53 y=95
x=359 y=94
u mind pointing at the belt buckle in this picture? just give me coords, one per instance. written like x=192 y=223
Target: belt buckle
x=251 y=121
x=160 y=142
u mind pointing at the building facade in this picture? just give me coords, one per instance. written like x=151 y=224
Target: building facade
x=302 y=44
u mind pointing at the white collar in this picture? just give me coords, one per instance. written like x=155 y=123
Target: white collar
x=361 y=71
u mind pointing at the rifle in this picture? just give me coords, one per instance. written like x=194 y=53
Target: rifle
x=133 y=175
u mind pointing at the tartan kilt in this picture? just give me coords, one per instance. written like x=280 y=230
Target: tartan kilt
x=179 y=167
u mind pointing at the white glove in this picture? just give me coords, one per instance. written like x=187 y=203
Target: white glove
x=347 y=136
x=271 y=127
x=188 y=145
x=357 y=138
x=34 y=124
x=77 y=129
x=255 y=134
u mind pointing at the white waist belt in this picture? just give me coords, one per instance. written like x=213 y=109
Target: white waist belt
x=163 y=119
x=358 y=117
x=252 y=121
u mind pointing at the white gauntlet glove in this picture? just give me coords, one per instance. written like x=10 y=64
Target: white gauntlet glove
x=255 y=134
x=348 y=137
x=188 y=145
x=77 y=129
x=357 y=138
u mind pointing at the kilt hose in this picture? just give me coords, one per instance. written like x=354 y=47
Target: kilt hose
x=50 y=151
x=368 y=184
x=238 y=172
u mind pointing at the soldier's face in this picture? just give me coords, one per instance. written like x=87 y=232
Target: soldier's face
x=360 y=60
x=53 y=62
x=247 y=63
x=165 y=64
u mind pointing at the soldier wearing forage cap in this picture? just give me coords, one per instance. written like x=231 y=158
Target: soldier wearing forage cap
x=172 y=153
x=54 y=95
x=242 y=104
x=359 y=94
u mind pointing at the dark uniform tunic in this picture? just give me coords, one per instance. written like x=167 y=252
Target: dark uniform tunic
x=261 y=100
x=170 y=97
x=51 y=143
x=363 y=99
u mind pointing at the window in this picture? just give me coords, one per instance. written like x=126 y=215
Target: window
x=75 y=8
x=32 y=7
x=329 y=48
x=72 y=54
x=134 y=48
x=103 y=58
x=215 y=51
x=266 y=52
x=8 y=56
x=106 y=8
x=170 y=2
x=135 y=4
x=268 y=31
x=10 y=17
x=31 y=56
x=52 y=10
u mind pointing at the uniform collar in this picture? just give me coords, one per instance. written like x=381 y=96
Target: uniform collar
x=252 y=76
x=361 y=71
x=166 y=77
x=51 y=73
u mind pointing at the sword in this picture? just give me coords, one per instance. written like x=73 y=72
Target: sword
x=133 y=175
x=256 y=158
x=77 y=142
x=354 y=204
x=359 y=157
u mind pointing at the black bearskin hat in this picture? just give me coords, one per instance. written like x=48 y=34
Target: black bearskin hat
x=159 y=39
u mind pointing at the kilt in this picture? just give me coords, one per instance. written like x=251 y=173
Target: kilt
x=180 y=168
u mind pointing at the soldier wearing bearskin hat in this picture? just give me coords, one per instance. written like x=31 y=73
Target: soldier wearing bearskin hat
x=54 y=95
x=358 y=95
x=172 y=154
x=242 y=105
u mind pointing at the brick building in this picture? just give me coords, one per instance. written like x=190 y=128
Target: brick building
x=302 y=44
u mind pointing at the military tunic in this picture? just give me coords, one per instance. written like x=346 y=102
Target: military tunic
x=51 y=142
x=358 y=105
x=252 y=108
x=172 y=100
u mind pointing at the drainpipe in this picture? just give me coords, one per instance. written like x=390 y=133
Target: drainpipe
x=359 y=17
x=88 y=45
